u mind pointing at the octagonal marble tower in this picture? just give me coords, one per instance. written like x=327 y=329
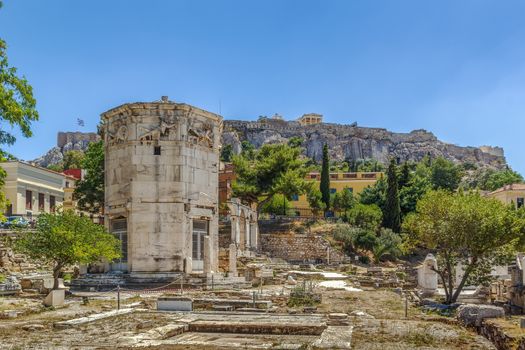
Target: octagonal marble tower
x=161 y=183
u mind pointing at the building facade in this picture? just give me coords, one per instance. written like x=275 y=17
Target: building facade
x=32 y=190
x=355 y=182
x=510 y=194
x=161 y=195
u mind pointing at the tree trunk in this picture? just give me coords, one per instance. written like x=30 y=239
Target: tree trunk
x=463 y=281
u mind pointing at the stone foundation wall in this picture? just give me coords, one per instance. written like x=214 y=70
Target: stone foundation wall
x=501 y=340
x=299 y=247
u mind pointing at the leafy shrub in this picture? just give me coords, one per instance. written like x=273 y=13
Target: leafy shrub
x=388 y=243
x=365 y=240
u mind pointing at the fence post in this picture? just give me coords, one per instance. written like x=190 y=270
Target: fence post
x=118 y=296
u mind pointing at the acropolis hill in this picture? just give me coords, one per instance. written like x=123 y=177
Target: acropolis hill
x=344 y=141
x=355 y=142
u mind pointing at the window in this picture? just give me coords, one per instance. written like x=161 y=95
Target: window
x=334 y=176
x=350 y=189
x=67 y=184
x=52 y=204
x=200 y=230
x=156 y=150
x=313 y=176
x=520 y=202
x=29 y=200
x=295 y=197
x=350 y=175
x=119 y=228
x=41 y=202
x=333 y=190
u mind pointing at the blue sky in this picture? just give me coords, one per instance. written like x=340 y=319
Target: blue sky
x=456 y=68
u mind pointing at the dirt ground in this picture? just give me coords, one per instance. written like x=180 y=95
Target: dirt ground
x=378 y=323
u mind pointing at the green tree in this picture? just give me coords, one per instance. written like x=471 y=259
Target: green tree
x=17 y=104
x=226 y=153
x=73 y=159
x=64 y=239
x=315 y=199
x=405 y=176
x=295 y=141
x=274 y=169
x=89 y=191
x=247 y=149
x=17 y=108
x=277 y=205
x=392 y=209
x=501 y=178
x=375 y=194
x=410 y=194
x=462 y=227
x=365 y=216
x=445 y=174
x=343 y=200
x=324 y=186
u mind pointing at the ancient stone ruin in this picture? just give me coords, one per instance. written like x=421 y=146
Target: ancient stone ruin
x=161 y=187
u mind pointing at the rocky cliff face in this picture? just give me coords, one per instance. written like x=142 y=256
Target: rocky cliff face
x=353 y=142
x=344 y=142
x=66 y=141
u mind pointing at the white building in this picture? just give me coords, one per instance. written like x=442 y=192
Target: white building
x=32 y=190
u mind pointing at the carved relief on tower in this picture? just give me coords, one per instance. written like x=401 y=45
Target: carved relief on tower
x=200 y=133
x=166 y=126
x=117 y=130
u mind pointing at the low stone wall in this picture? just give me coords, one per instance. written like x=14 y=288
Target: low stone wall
x=501 y=340
x=299 y=247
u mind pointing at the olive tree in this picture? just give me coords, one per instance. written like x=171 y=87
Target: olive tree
x=476 y=231
x=63 y=239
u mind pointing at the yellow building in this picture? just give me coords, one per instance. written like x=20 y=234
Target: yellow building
x=508 y=194
x=354 y=182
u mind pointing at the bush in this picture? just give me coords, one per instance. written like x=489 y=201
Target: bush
x=365 y=240
x=388 y=243
x=346 y=235
x=365 y=216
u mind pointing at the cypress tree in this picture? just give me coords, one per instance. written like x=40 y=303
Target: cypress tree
x=392 y=210
x=404 y=176
x=324 y=186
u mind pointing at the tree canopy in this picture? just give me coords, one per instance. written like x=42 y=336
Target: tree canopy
x=64 y=239
x=466 y=228
x=272 y=169
x=488 y=179
x=17 y=104
x=89 y=192
x=17 y=108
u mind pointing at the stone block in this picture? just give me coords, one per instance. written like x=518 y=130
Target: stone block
x=174 y=304
x=55 y=298
x=473 y=315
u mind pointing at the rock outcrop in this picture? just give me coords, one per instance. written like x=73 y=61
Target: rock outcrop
x=352 y=142
x=66 y=141
x=345 y=142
